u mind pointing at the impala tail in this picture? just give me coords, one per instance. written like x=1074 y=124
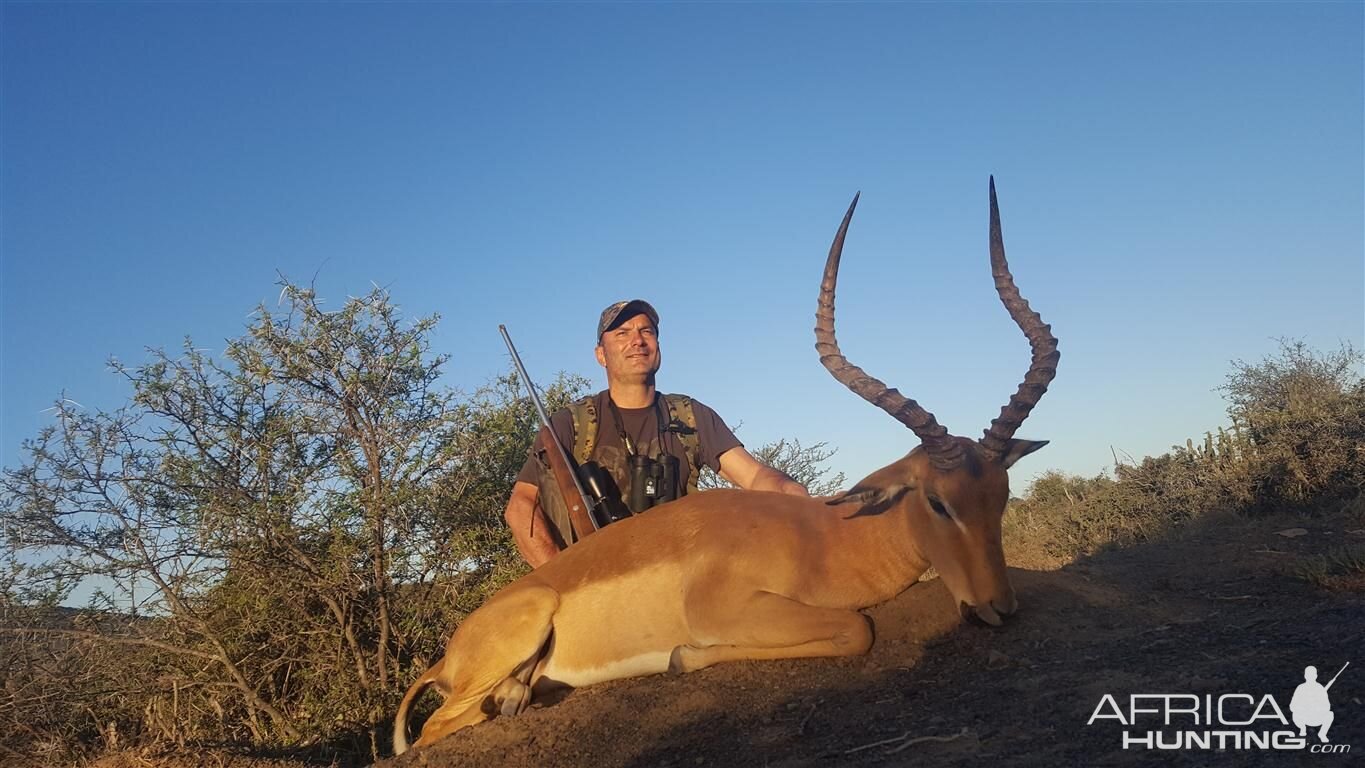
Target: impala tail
x=400 y=720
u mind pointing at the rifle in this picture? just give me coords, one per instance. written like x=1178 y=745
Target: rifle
x=1338 y=674
x=562 y=466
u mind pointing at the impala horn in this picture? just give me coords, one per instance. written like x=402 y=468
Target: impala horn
x=943 y=450
x=1044 y=345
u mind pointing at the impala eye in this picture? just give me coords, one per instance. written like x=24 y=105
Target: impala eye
x=939 y=507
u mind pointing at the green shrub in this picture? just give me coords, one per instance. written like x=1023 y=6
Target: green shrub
x=1296 y=444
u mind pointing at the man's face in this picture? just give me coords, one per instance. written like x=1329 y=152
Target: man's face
x=630 y=351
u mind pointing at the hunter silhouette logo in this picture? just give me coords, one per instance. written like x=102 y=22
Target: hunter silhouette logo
x=1310 y=705
x=1229 y=721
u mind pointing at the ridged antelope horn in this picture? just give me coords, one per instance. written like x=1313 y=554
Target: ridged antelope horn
x=1044 y=365
x=944 y=452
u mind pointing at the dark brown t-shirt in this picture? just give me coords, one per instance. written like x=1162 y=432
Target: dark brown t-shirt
x=642 y=426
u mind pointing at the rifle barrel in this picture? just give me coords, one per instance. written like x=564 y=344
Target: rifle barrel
x=549 y=426
x=1338 y=674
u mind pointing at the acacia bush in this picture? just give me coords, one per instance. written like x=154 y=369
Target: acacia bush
x=271 y=541
x=61 y=699
x=1300 y=429
x=1296 y=443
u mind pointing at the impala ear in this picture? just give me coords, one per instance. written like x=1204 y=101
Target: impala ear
x=871 y=500
x=862 y=496
x=1018 y=449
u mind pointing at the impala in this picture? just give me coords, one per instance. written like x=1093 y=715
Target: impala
x=728 y=575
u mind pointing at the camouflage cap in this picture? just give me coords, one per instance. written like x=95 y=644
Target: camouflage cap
x=622 y=311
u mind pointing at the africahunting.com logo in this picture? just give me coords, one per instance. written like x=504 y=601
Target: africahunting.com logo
x=1228 y=721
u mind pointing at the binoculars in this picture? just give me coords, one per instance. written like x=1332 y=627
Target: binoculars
x=652 y=482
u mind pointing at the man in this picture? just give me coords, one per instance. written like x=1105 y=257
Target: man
x=629 y=419
x=1310 y=704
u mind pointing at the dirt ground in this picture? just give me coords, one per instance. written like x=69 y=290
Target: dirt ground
x=1215 y=608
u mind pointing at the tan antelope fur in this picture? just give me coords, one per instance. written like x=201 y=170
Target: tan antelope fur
x=727 y=575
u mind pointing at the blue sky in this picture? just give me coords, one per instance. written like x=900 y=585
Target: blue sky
x=1179 y=183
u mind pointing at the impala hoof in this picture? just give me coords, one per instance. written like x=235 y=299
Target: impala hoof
x=983 y=613
x=675 y=662
x=1010 y=607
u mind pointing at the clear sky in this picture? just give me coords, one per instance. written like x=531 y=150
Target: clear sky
x=1180 y=183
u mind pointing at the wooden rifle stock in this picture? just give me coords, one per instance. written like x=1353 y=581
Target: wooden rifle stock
x=564 y=473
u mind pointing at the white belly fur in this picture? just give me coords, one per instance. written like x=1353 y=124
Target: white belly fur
x=625 y=627
x=644 y=664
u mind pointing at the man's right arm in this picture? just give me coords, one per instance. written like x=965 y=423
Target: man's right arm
x=530 y=528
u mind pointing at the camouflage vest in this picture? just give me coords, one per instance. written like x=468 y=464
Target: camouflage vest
x=585 y=427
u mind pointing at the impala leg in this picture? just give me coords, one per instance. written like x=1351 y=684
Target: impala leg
x=770 y=626
x=513 y=695
x=490 y=660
